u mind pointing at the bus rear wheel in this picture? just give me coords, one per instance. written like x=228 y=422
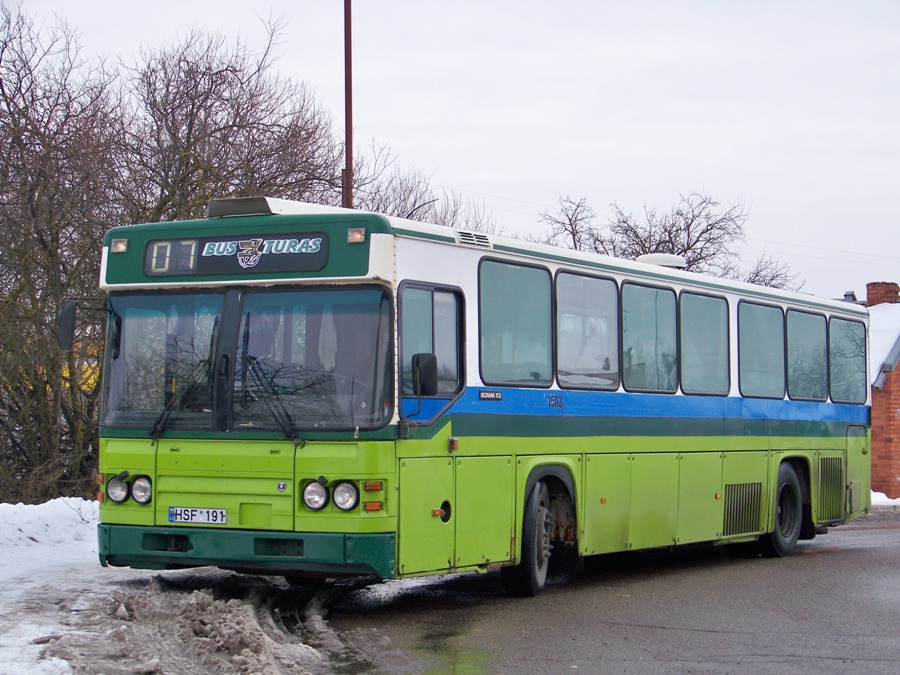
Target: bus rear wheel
x=530 y=575
x=782 y=541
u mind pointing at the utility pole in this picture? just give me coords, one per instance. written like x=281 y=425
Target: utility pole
x=347 y=173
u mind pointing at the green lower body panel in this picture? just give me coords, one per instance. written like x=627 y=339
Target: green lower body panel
x=312 y=553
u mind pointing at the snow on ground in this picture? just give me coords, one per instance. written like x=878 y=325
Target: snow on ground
x=52 y=545
x=49 y=572
x=38 y=544
x=61 y=612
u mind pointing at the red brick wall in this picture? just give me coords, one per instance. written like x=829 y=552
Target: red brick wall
x=878 y=292
x=885 y=410
x=886 y=436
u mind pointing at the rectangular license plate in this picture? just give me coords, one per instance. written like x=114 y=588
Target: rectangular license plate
x=178 y=514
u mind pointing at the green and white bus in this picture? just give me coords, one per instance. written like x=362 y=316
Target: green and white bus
x=308 y=391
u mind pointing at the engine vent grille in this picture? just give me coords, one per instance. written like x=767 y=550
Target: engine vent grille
x=831 y=489
x=742 y=504
x=474 y=239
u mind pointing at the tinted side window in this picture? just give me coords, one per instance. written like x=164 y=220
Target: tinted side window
x=847 y=361
x=587 y=330
x=649 y=356
x=704 y=344
x=515 y=317
x=761 y=350
x=807 y=357
x=429 y=323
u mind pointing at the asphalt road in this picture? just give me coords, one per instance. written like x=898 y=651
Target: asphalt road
x=834 y=607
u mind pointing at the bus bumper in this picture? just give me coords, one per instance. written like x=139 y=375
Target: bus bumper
x=254 y=551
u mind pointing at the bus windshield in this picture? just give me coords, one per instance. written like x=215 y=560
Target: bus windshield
x=284 y=361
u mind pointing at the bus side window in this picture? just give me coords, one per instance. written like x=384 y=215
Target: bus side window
x=704 y=344
x=587 y=332
x=649 y=354
x=515 y=324
x=847 y=361
x=761 y=350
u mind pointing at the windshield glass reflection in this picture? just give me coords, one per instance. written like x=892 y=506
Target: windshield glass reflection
x=159 y=352
x=317 y=359
x=286 y=361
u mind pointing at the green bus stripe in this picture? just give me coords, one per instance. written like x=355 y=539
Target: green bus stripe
x=527 y=426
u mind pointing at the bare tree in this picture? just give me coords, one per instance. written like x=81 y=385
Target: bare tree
x=697 y=228
x=57 y=131
x=383 y=187
x=213 y=120
x=453 y=210
x=85 y=148
x=210 y=120
x=705 y=233
x=571 y=226
x=769 y=272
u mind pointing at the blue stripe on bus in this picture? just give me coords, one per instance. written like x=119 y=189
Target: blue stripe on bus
x=568 y=403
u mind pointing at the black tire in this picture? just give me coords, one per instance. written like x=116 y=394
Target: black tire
x=529 y=577
x=782 y=541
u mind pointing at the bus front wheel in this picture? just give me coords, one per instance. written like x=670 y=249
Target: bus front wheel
x=782 y=540
x=529 y=576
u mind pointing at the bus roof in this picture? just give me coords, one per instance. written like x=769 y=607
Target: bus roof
x=661 y=270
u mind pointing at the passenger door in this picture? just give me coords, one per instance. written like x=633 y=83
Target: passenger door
x=426 y=515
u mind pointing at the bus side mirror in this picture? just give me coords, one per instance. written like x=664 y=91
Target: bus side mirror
x=65 y=325
x=425 y=374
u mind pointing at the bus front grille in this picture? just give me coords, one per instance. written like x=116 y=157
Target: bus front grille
x=742 y=503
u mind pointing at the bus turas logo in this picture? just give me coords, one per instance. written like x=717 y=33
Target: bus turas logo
x=250 y=251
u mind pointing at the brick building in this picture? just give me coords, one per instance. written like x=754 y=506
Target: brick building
x=885 y=326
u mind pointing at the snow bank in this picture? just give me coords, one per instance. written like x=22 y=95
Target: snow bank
x=881 y=499
x=58 y=523
x=43 y=547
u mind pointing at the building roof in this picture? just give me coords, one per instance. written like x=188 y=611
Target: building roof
x=884 y=341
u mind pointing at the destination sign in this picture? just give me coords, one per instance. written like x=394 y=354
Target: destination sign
x=261 y=254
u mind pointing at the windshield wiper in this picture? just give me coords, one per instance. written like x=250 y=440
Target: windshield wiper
x=160 y=423
x=250 y=365
x=271 y=397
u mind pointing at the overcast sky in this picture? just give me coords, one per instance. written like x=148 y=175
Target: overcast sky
x=792 y=108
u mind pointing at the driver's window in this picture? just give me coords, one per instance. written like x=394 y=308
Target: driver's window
x=430 y=323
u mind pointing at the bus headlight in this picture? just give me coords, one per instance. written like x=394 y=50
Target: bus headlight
x=315 y=496
x=142 y=490
x=346 y=496
x=117 y=490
